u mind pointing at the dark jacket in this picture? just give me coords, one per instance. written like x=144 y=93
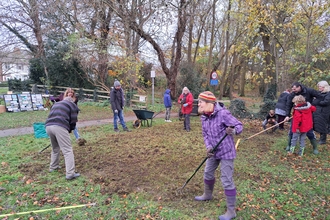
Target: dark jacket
x=167 y=99
x=63 y=114
x=117 y=100
x=281 y=102
x=322 y=114
x=308 y=93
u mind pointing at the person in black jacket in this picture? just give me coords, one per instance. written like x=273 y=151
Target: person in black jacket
x=117 y=101
x=309 y=94
x=322 y=114
x=280 y=109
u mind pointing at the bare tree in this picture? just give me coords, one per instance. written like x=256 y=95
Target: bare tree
x=170 y=68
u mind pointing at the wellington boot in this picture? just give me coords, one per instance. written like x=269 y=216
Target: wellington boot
x=301 y=151
x=292 y=149
x=314 y=144
x=207 y=195
x=323 y=139
x=289 y=144
x=230 y=213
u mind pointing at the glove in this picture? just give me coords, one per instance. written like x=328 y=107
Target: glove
x=230 y=131
x=185 y=105
x=209 y=152
x=115 y=111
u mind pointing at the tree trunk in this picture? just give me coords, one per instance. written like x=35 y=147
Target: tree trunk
x=172 y=72
x=209 y=63
x=226 y=53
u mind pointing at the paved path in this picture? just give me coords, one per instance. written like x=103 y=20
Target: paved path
x=29 y=130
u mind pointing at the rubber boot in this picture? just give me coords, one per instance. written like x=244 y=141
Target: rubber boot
x=207 y=195
x=291 y=149
x=314 y=144
x=230 y=213
x=289 y=144
x=323 y=138
x=301 y=151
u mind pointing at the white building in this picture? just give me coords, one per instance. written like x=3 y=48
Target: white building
x=14 y=64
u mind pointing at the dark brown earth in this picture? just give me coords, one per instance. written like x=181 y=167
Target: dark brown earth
x=157 y=159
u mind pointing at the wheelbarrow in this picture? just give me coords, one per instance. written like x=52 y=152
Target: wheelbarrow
x=143 y=116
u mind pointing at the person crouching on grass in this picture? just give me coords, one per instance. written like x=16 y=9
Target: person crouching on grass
x=270 y=119
x=302 y=122
x=217 y=121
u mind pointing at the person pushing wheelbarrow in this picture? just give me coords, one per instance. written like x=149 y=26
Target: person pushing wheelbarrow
x=218 y=122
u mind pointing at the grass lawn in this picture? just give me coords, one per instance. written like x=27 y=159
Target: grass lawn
x=135 y=175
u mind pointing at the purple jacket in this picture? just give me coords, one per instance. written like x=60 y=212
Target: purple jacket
x=214 y=128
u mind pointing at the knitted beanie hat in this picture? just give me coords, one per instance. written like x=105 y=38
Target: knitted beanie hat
x=116 y=83
x=207 y=96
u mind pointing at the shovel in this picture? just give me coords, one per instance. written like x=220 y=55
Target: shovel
x=200 y=165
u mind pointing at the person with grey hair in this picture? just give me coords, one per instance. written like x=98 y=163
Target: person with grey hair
x=186 y=100
x=322 y=114
x=117 y=102
x=61 y=121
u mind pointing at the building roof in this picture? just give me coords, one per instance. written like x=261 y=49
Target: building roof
x=17 y=56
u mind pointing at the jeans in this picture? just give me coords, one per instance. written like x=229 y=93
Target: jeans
x=121 y=118
x=167 y=113
x=76 y=133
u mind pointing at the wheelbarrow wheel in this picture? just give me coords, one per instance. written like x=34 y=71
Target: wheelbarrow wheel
x=137 y=123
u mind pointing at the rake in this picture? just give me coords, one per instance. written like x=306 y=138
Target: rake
x=239 y=140
x=200 y=165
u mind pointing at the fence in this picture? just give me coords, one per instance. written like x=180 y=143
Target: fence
x=83 y=94
x=94 y=95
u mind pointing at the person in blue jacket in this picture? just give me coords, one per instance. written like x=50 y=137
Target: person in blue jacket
x=167 y=104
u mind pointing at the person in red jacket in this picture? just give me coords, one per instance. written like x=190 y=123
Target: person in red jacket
x=302 y=122
x=186 y=100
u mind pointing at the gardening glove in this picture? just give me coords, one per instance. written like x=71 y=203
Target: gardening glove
x=115 y=111
x=209 y=152
x=185 y=105
x=230 y=130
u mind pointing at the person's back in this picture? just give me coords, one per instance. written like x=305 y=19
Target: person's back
x=64 y=114
x=60 y=122
x=167 y=104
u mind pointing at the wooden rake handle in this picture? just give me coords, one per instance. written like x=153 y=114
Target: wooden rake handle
x=265 y=130
x=239 y=140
